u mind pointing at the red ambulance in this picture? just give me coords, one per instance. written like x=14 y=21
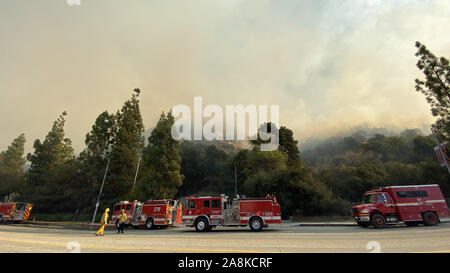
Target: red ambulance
x=413 y=205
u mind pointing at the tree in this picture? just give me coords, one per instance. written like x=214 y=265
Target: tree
x=410 y=134
x=192 y=167
x=12 y=163
x=282 y=173
x=208 y=168
x=435 y=87
x=334 y=151
x=288 y=145
x=161 y=176
x=50 y=177
x=423 y=148
x=101 y=136
x=350 y=183
x=295 y=188
x=394 y=148
x=240 y=162
x=215 y=169
x=126 y=148
x=91 y=162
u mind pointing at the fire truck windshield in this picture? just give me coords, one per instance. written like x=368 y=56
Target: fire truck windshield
x=191 y=204
x=369 y=199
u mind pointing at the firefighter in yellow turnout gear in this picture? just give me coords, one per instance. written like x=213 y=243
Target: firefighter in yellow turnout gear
x=103 y=223
x=121 y=223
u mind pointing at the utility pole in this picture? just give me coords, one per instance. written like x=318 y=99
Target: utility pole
x=135 y=177
x=100 y=193
x=235 y=181
x=441 y=152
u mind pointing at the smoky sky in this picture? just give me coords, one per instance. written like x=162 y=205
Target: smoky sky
x=328 y=64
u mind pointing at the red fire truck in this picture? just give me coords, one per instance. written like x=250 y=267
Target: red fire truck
x=15 y=211
x=409 y=204
x=151 y=213
x=205 y=213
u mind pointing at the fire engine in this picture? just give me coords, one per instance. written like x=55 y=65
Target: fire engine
x=15 y=211
x=205 y=213
x=151 y=213
x=409 y=204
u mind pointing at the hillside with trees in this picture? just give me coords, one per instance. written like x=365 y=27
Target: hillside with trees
x=323 y=177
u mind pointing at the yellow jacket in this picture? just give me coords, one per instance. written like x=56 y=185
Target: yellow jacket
x=104 y=220
x=122 y=218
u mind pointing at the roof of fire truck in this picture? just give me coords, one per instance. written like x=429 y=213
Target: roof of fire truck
x=154 y=202
x=226 y=197
x=10 y=203
x=382 y=189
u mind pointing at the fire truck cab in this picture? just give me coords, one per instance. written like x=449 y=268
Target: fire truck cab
x=128 y=207
x=15 y=211
x=409 y=204
x=151 y=213
x=205 y=213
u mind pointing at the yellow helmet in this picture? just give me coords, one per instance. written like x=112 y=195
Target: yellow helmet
x=107 y=210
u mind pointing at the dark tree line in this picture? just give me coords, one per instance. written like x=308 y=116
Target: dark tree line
x=323 y=180
x=379 y=161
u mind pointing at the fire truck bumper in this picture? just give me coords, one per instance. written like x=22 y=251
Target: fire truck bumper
x=361 y=218
x=188 y=221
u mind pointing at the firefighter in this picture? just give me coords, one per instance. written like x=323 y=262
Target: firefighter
x=179 y=214
x=122 y=218
x=103 y=223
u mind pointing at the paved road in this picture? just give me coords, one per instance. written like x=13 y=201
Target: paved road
x=290 y=238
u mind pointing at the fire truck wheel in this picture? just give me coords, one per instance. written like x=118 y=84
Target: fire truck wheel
x=430 y=219
x=378 y=221
x=256 y=224
x=201 y=224
x=149 y=224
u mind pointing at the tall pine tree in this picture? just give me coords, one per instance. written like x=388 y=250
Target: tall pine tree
x=126 y=148
x=162 y=163
x=50 y=177
x=92 y=162
x=12 y=163
x=435 y=87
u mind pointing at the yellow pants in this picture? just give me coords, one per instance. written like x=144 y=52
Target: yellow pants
x=102 y=228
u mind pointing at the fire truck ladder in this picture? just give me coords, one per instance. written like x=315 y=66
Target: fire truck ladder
x=137 y=211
